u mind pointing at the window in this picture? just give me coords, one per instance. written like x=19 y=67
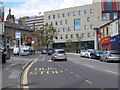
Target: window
x=104 y=17
x=88 y=19
x=91 y=26
x=66 y=36
x=66 y=21
x=85 y=12
x=69 y=14
x=58 y=29
x=107 y=31
x=83 y=35
x=74 y=13
x=85 y=27
x=115 y=15
x=68 y=28
x=51 y=23
x=61 y=36
x=48 y=17
x=91 y=10
x=71 y=35
x=76 y=24
x=109 y=5
x=58 y=15
x=56 y=23
x=60 y=22
x=63 y=29
x=88 y=34
x=77 y=35
x=63 y=14
x=56 y=37
x=79 y=12
x=53 y=16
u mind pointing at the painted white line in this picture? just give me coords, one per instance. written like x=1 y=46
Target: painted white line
x=88 y=65
x=111 y=72
x=87 y=81
x=44 y=58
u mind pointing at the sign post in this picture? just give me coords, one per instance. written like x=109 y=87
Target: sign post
x=18 y=37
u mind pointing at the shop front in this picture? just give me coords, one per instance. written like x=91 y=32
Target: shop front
x=115 y=42
x=105 y=44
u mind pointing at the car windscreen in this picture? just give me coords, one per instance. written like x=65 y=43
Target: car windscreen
x=61 y=52
x=99 y=52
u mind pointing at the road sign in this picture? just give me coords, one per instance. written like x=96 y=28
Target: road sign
x=17 y=35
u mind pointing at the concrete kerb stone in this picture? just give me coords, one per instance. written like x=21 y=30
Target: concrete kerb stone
x=20 y=80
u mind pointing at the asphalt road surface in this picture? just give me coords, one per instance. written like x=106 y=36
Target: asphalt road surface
x=77 y=72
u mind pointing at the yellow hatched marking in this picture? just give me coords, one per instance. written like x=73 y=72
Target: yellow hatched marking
x=53 y=72
x=41 y=72
x=56 y=72
x=35 y=69
x=47 y=72
x=43 y=69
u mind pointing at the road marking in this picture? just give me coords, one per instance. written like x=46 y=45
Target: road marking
x=87 y=81
x=66 y=69
x=56 y=72
x=41 y=72
x=53 y=72
x=110 y=71
x=47 y=72
x=25 y=76
x=88 y=65
x=44 y=58
x=71 y=72
x=77 y=76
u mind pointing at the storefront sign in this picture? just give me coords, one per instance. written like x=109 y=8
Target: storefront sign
x=105 y=40
x=17 y=35
x=115 y=38
x=99 y=35
x=29 y=39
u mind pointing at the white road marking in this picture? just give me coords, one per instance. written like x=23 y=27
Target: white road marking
x=111 y=72
x=88 y=81
x=44 y=58
x=14 y=74
x=88 y=65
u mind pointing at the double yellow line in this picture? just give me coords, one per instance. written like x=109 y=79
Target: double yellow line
x=25 y=75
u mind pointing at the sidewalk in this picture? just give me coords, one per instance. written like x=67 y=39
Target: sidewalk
x=74 y=53
x=11 y=72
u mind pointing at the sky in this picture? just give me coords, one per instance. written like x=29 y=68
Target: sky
x=21 y=8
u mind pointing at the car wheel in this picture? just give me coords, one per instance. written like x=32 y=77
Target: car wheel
x=65 y=59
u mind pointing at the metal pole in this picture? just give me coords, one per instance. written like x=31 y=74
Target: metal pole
x=20 y=49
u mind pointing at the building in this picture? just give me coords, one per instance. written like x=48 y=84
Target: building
x=110 y=37
x=10 y=38
x=76 y=25
x=35 y=22
x=10 y=18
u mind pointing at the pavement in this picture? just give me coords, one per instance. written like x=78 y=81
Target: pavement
x=11 y=71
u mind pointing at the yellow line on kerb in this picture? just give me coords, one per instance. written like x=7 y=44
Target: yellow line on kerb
x=25 y=75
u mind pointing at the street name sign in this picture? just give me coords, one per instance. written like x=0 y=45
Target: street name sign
x=17 y=35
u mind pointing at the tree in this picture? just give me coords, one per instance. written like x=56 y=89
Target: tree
x=79 y=42
x=47 y=34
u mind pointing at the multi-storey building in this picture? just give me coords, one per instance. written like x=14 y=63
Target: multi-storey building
x=35 y=22
x=76 y=24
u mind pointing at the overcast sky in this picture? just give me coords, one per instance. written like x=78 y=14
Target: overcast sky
x=33 y=7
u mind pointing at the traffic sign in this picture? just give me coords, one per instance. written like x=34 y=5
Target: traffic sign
x=17 y=35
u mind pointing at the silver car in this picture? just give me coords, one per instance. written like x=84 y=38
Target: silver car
x=59 y=54
x=82 y=53
x=110 y=56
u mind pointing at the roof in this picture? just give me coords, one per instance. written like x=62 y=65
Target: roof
x=23 y=27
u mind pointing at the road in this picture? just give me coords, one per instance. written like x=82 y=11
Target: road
x=77 y=72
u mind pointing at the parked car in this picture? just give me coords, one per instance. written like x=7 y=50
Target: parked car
x=59 y=54
x=50 y=52
x=24 y=53
x=87 y=53
x=82 y=53
x=111 y=55
x=44 y=52
x=95 y=54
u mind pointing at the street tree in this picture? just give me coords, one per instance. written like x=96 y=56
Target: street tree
x=47 y=34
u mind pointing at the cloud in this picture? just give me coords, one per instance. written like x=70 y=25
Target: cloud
x=33 y=7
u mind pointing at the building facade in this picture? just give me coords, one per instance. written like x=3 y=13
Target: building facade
x=10 y=38
x=35 y=22
x=110 y=37
x=76 y=24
